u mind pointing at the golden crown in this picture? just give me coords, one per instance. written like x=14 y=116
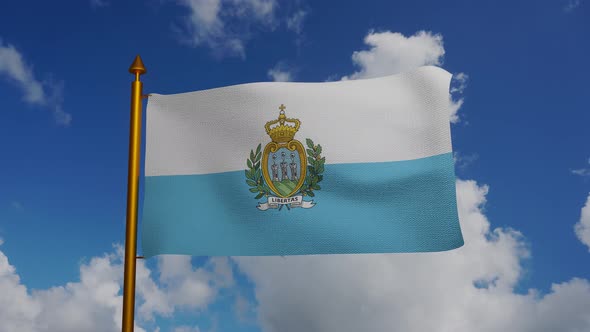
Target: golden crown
x=282 y=132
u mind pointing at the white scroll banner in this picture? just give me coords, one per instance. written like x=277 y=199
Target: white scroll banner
x=292 y=202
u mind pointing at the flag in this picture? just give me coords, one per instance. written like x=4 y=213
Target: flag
x=282 y=168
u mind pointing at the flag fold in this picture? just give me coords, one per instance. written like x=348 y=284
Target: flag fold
x=360 y=166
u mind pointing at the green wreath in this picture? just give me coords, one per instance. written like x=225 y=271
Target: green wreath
x=315 y=169
x=254 y=174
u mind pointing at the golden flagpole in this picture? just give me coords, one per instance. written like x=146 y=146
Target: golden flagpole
x=137 y=68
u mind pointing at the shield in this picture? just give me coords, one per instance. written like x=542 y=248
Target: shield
x=284 y=166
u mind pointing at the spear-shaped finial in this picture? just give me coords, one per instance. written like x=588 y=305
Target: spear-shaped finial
x=137 y=66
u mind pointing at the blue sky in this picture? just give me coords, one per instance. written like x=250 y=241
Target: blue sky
x=521 y=139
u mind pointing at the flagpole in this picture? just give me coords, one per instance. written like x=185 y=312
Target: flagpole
x=137 y=68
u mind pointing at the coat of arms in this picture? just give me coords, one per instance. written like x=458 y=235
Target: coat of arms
x=285 y=171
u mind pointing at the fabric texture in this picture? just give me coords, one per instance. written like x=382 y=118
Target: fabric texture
x=361 y=166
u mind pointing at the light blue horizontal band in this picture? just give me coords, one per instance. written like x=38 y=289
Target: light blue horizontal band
x=404 y=206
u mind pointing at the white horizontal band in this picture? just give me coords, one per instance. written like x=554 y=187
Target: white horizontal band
x=399 y=117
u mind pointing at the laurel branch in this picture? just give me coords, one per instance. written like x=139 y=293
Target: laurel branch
x=315 y=169
x=254 y=174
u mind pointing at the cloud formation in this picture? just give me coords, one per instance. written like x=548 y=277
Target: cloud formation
x=458 y=86
x=582 y=227
x=94 y=302
x=584 y=171
x=90 y=304
x=468 y=289
x=295 y=21
x=392 y=53
x=462 y=161
x=224 y=25
x=280 y=73
x=44 y=94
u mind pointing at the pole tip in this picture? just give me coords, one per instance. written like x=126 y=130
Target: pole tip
x=137 y=66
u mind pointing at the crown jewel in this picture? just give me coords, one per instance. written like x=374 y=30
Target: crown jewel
x=283 y=132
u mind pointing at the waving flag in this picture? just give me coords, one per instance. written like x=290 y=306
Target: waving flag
x=361 y=166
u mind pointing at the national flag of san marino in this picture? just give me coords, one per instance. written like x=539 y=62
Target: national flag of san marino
x=361 y=166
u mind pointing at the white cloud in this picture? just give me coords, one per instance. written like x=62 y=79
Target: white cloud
x=155 y=299
x=223 y=25
x=295 y=22
x=223 y=276
x=241 y=306
x=581 y=171
x=13 y=67
x=582 y=228
x=61 y=117
x=186 y=287
x=94 y=303
x=468 y=289
x=461 y=80
x=458 y=85
x=180 y=285
x=585 y=171
x=572 y=5
x=392 y=53
x=280 y=73
x=17 y=308
x=244 y=310
x=462 y=160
